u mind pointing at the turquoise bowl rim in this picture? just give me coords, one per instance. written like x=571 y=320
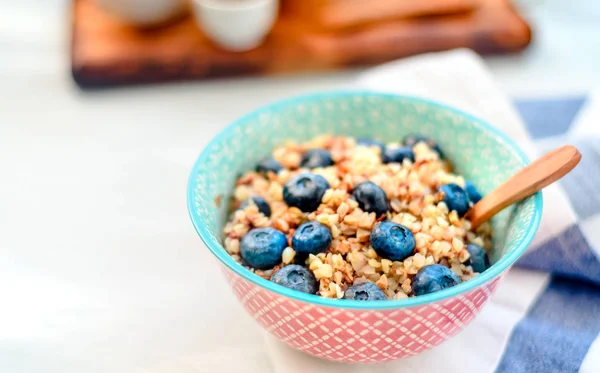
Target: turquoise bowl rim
x=495 y=270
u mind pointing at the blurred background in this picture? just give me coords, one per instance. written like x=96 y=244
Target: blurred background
x=105 y=105
x=94 y=38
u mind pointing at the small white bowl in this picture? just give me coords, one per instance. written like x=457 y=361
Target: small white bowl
x=236 y=25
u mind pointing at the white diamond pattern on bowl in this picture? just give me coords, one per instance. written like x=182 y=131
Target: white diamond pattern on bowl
x=358 y=335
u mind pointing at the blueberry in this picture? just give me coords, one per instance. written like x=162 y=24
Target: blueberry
x=296 y=277
x=432 y=278
x=397 y=155
x=369 y=142
x=413 y=140
x=311 y=238
x=364 y=291
x=392 y=241
x=371 y=198
x=472 y=192
x=479 y=259
x=267 y=165
x=305 y=191
x=455 y=198
x=261 y=248
x=316 y=158
x=263 y=206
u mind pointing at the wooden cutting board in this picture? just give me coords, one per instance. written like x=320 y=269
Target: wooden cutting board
x=338 y=14
x=105 y=52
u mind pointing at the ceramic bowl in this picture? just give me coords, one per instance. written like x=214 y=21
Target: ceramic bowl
x=236 y=25
x=353 y=331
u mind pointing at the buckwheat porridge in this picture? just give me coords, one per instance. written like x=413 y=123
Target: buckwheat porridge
x=357 y=219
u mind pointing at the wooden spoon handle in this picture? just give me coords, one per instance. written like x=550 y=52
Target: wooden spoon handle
x=536 y=176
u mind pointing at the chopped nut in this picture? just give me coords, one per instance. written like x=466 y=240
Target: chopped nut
x=351 y=220
x=406 y=286
x=457 y=244
x=367 y=270
x=366 y=220
x=360 y=280
x=218 y=200
x=445 y=247
x=323 y=219
x=400 y=295
x=371 y=253
x=327 y=196
x=314 y=262
x=288 y=255
x=429 y=260
x=456 y=267
x=453 y=218
x=418 y=260
x=325 y=270
x=374 y=263
x=374 y=277
x=386 y=265
x=338 y=277
x=336 y=290
x=240 y=229
x=463 y=256
x=382 y=283
x=392 y=284
x=442 y=222
x=335 y=231
x=477 y=241
x=268 y=273
x=343 y=247
x=337 y=261
x=242 y=192
x=396 y=205
x=281 y=225
x=358 y=260
x=343 y=209
x=363 y=235
x=232 y=245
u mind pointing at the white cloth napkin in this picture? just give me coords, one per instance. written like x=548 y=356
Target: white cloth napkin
x=458 y=78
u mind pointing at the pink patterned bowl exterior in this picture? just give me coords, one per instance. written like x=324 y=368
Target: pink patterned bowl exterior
x=353 y=331
x=357 y=336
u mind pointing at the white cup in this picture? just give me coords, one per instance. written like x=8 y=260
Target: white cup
x=144 y=12
x=236 y=25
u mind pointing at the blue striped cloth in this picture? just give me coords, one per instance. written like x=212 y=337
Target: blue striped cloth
x=561 y=325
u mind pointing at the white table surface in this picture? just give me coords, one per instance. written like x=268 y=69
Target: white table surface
x=100 y=269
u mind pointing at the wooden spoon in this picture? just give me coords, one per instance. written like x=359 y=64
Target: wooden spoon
x=531 y=179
